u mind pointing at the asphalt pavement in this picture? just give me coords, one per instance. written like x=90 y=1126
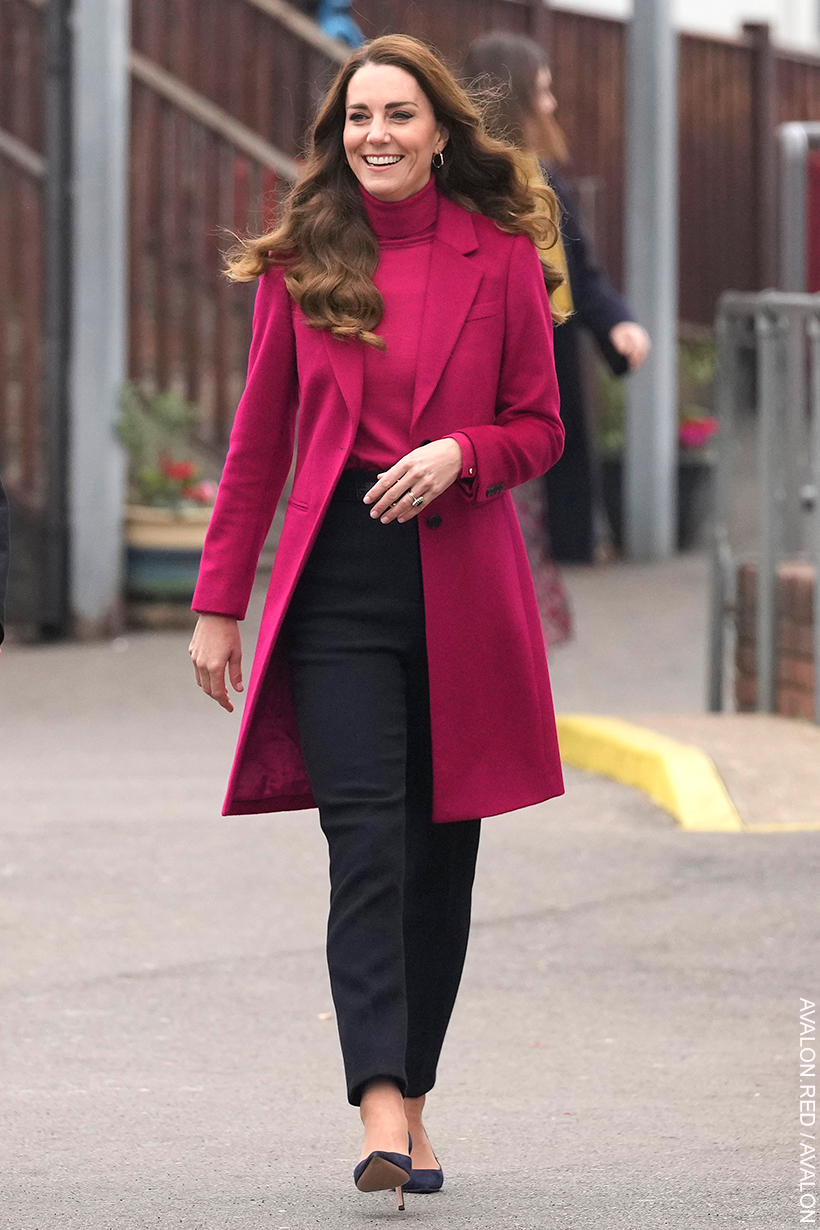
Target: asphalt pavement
x=624 y=1052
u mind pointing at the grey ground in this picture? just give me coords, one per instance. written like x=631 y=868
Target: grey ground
x=624 y=1050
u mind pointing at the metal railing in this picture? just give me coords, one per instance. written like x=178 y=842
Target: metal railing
x=783 y=332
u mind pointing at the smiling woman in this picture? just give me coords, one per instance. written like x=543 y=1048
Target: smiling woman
x=325 y=242
x=400 y=682
x=390 y=146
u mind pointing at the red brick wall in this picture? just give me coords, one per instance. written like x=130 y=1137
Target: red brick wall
x=795 y=657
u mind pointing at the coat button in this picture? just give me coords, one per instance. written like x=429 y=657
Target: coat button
x=434 y=522
x=425 y=442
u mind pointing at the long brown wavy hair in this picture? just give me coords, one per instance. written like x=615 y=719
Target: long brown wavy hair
x=506 y=66
x=325 y=240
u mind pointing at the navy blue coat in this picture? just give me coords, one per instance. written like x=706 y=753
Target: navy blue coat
x=597 y=306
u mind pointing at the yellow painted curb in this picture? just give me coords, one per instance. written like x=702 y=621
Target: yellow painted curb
x=678 y=777
x=800 y=826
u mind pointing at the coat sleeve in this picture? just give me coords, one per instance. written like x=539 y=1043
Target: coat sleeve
x=259 y=457
x=597 y=305
x=527 y=436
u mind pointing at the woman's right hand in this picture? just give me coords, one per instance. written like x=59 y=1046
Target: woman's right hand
x=216 y=643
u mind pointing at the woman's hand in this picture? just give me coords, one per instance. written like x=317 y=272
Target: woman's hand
x=632 y=341
x=425 y=473
x=216 y=643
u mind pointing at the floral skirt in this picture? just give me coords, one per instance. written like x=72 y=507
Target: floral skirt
x=553 y=601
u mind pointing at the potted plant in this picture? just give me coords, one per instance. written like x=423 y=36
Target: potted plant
x=696 y=431
x=169 y=499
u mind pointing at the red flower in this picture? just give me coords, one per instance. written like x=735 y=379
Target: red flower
x=202 y=493
x=180 y=471
x=696 y=432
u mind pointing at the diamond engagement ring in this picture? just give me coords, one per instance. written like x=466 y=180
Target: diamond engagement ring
x=417 y=500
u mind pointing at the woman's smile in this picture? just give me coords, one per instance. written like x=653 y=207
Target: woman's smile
x=390 y=133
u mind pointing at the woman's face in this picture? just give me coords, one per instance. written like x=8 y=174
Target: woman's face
x=544 y=99
x=390 y=133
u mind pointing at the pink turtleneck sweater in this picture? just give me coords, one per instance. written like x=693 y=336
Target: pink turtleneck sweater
x=405 y=231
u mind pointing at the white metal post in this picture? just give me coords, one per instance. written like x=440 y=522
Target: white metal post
x=650 y=496
x=98 y=364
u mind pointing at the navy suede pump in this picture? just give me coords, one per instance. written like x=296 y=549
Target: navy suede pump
x=422 y=1182
x=380 y=1171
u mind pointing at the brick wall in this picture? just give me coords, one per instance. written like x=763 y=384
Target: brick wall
x=795 y=658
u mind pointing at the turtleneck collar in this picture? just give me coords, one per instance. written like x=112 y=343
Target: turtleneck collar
x=403 y=219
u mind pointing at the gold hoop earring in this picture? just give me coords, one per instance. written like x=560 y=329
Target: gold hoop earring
x=438 y=165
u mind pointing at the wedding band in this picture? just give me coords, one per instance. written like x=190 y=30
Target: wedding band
x=418 y=500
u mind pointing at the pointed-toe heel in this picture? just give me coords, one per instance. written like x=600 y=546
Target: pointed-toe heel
x=422 y=1182
x=380 y=1171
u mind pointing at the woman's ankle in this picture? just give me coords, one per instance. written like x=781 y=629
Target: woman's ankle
x=413 y=1108
x=382 y=1114
x=380 y=1097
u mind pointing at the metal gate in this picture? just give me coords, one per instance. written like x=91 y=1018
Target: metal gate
x=780 y=333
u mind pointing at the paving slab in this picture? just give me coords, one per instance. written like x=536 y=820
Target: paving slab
x=639 y=652
x=624 y=1052
x=769 y=765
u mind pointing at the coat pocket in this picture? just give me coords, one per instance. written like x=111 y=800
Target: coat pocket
x=478 y=311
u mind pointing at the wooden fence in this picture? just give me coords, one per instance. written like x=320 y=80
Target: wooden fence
x=222 y=93
x=732 y=93
x=22 y=169
x=250 y=56
x=197 y=175
x=261 y=61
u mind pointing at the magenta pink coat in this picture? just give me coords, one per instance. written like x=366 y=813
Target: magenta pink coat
x=485 y=369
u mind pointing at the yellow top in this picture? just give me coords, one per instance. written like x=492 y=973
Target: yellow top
x=562 y=297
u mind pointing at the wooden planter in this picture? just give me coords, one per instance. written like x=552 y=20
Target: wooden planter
x=694 y=497
x=163 y=551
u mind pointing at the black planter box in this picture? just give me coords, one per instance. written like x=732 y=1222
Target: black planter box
x=694 y=498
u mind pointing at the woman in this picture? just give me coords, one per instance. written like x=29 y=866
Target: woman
x=399 y=682
x=525 y=113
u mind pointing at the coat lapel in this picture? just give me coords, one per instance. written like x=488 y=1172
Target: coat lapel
x=347 y=359
x=451 y=289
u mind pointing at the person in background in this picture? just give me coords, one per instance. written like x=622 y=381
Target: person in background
x=334 y=19
x=523 y=110
x=4 y=558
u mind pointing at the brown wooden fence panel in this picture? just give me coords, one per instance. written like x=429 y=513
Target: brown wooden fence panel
x=716 y=193
x=242 y=58
x=798 y=88
x=21 y=272
x=192 y=189
x=587 y=56
x=196 y=178
x=450 y=26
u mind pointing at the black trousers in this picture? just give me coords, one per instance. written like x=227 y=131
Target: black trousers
x=400 y=886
